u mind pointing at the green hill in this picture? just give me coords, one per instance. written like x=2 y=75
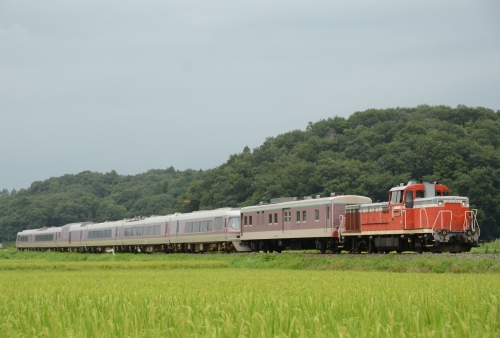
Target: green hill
x=365 y=154
x=91 y=196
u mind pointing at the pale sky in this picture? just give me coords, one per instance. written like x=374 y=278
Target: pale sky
x=137 y=85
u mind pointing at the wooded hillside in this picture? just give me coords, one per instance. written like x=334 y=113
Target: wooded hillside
x=366 y=154
x=91 y=196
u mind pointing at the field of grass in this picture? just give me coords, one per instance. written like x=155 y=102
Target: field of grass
x=247 y=303
x=11 y=259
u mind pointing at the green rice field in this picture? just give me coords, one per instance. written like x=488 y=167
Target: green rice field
x=216 y=301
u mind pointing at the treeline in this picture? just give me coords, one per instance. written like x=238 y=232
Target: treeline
x=366 y=154
x=91 y=196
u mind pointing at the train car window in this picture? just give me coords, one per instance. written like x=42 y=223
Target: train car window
x=275 y=218
x=196 y=226
x=158 y=230
x=189 y=227
x=420 y=194
x=139 y=231
x=234 y=222
x=270 y=219
x=250 y=220
x=298 y=216
x=209 y=228
x=438 y=193
x=304 y=216
x=245 y=220
x=204 y=226
x=134 y=231
x=316 y=215
x=446 y=193
x=218 y=223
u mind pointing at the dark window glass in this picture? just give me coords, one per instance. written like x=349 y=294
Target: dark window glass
x=270 y=218
x=249 y=220
x=304 y=214
x=316 y=215
x=276 y=218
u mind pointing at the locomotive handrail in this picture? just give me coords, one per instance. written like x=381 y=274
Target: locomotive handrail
x=473 y=224
x=426 y=217
x=342 y=224
x=440 y=216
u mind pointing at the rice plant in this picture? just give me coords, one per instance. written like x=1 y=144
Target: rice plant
x=246 y=303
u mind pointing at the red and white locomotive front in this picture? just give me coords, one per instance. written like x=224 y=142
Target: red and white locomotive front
x=418 y=217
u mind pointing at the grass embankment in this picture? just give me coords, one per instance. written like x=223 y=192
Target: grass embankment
x=247 y=303
x=11 y=259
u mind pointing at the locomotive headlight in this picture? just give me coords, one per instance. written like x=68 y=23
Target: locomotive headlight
x=463 y=203
x=440 y=203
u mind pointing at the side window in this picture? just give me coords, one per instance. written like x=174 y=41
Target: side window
x=250 y=220
x=446 y=193
x=298 y=216
x=304 y=214
x=218 y=223
x=409 y=199
x=158 y=230
x=196 y=226
x=276 y=218
x=246 y=221
x=270 y=218
x=316 y=215
x=189 y=227
x=209 y=228
x=134 y=232
x=262 y=218
x=420 y=194
x=204 y=226
x=139 y=231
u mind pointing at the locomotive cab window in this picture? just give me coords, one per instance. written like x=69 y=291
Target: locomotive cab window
x=397 y=197
x=420 y=194
x=409 y=199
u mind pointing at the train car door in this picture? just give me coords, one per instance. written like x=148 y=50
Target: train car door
x=225 y=227
x=327 y=219
x=286 y=221
x=69 y=237
x=409 y=211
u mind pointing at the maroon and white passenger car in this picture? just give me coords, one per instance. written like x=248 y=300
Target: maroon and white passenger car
x=297 y=224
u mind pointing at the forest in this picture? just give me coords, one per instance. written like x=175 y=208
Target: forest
x=367 y=153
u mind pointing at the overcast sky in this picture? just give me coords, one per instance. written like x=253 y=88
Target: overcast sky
x=137 y=85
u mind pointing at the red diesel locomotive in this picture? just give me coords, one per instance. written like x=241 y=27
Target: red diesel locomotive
x=418 y=217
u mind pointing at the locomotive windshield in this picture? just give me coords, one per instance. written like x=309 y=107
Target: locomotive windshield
x=234 y=222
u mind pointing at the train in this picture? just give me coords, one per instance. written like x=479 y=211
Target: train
x=417 y=217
